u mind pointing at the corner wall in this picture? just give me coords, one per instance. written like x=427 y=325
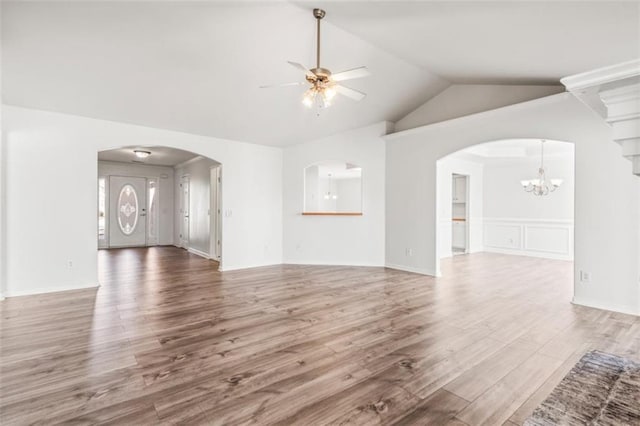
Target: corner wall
x=607 y=195
x=337 y=240
x=51 y=171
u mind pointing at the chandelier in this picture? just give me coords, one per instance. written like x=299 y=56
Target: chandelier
x=541 y=185
x=328 y=195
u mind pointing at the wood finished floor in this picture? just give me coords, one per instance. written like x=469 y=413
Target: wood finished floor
x=167 y=339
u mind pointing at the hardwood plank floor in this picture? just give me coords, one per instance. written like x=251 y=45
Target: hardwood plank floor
x=167 y=339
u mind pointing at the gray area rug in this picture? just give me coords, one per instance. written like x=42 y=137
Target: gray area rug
x=601 y=389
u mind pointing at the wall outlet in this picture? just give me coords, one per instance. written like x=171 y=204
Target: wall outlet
x=70 y=264
x=585 y=277
x=409 y=252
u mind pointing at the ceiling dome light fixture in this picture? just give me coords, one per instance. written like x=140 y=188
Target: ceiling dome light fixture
x=141 y=154
x=541 y=185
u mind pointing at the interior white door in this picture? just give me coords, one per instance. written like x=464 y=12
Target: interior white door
x=184 y=211
x=127 y=211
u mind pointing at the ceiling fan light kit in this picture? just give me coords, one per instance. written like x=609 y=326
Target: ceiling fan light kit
x=323 y=84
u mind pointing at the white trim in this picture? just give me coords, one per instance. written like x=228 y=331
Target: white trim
x=528 y=253
x=43 y=290
x=336 y=263
x=239 y=267
x=529 y=220
x=421 y=271
x=607 y=307
x=522 y=227
x=199 y=253
x=602 y=76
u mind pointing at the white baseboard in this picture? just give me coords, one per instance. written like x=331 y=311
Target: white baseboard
x=421 y=271
x=334 y=263
x=44 y=290
x=199 y=253
x=239 y=267
x=607 y=307
x=530 y=253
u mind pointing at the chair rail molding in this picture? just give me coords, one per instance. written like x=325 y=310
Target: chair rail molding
x=614 y=94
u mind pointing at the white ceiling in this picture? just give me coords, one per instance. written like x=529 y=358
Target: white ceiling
x=338 y=170
x=196 y=66
x=160 y=156
x=498 y=42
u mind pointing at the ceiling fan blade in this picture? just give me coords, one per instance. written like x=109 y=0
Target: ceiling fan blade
x=302 y=68
x=356 y=95
x=271 y=86
x=351 y=74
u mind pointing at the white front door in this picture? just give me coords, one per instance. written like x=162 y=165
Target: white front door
x=127 y=211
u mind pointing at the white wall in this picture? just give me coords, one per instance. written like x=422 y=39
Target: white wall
x=607 y=194
x=165 y=191
x=349 y=192
x=199 y=172
x=517 y=222
x=45 y=149
x=459 y=100
x=505 y=198
x=348 y=240
x=446 y=167
x=3 y=202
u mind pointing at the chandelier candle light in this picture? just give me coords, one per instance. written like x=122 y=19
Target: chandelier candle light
x=542 y=185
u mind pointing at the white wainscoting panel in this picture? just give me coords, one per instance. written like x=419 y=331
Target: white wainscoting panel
x=552 y=239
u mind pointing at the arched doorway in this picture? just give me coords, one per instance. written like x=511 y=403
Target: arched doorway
x=159 y=196
x=482 y=204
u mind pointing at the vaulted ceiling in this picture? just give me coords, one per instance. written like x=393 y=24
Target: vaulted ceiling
x=515 y=42
x=197 y=66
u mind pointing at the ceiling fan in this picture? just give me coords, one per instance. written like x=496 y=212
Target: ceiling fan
x=323 y=84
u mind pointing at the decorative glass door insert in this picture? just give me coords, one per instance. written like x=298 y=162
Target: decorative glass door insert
x=127 y=211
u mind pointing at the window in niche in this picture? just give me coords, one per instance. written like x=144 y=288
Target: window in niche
x=333 y=188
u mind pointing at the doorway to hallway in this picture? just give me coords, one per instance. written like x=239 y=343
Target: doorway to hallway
x=167 y=197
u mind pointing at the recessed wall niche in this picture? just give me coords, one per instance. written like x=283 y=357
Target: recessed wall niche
x=333 y=188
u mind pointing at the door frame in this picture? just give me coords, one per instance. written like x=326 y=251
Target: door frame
x=184 y=233
x=215 y=213
x=104 y=244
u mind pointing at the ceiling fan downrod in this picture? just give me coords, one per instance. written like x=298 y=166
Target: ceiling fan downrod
x=318 y=14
